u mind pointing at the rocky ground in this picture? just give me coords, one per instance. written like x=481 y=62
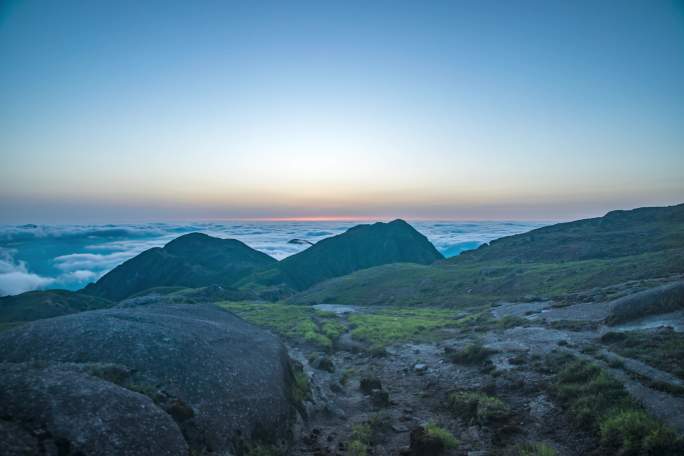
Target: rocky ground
x=411 y=383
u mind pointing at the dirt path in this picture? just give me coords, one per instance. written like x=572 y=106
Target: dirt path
x=418 y=378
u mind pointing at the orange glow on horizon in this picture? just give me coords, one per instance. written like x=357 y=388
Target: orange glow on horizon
x=319 y=218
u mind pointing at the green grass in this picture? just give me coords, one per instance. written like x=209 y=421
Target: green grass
x=441 y=434
x=469 y=283
x=535 y=449
x=476 y=407
x=632 y=431
x=300 y=390
x=390 y=325
x=661 y=349
x=292 y=322
x=382 y=327
x=599 y=403
x=365 y=434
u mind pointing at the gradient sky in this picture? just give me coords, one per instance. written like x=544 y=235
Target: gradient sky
x=143 y=110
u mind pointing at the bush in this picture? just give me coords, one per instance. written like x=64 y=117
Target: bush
x=300 y=390
x=635 y=432
x=364 y=434
x=472 y=354
x=441 y=434
x=356 y=448
x=478 y=407
x=600 y=404
x=535 y=449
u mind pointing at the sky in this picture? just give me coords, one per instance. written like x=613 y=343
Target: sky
x=465 y=110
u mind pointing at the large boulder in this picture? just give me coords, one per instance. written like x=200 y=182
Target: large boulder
x=64 y=409
x=661 y=299
x=224 y=381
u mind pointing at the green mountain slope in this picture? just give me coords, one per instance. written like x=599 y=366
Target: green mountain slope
x=193 y=260
x=549 y=262
x=618 y=233
x=35 y=305
x=360 y=247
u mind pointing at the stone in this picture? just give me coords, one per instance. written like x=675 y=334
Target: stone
x=221 y=379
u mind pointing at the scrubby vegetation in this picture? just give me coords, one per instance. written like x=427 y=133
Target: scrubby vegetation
x=534 y=449
x=365 y=434
x=663 y=349
x=477 y=407
x=474 y=353
x=600 y=404
x=300 y=390
x=441 y=434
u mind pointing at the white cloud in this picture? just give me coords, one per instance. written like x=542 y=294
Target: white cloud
x=90 y=261
x=83 y=276
x=86 y=252
x=15 y=278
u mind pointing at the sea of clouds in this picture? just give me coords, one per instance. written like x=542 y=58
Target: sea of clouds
x=70 y=256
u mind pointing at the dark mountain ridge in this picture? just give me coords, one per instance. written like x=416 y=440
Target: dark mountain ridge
x=198 y=260
x=360 y=247
x=193 y=260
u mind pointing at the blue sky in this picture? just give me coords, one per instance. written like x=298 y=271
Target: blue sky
x=120 y=111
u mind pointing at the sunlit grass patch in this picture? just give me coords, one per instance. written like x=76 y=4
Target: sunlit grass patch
x=394 y=324
x=293 y=322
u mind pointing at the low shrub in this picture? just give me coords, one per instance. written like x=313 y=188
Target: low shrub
x=635 y=432
x=441 y=434
x=600 y=404
x=535 y=449
x=478 y=407
x=472 y=354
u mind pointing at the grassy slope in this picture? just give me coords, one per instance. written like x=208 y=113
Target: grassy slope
x=550 y=262
x=35 y=305
x=473 y=283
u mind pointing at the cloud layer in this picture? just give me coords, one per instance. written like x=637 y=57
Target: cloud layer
x=15 y=277
x=70 y=256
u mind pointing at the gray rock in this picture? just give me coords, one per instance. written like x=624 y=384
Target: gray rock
x=61 y=409
x=222 y=379
x=420 y=368
x=662 y=299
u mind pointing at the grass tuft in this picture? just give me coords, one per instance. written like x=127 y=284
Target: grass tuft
x=441 y=434
x=476 y=407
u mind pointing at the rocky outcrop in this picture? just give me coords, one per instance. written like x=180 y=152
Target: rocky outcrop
x=665 y=298
x=62 y=409
x=223 y=381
